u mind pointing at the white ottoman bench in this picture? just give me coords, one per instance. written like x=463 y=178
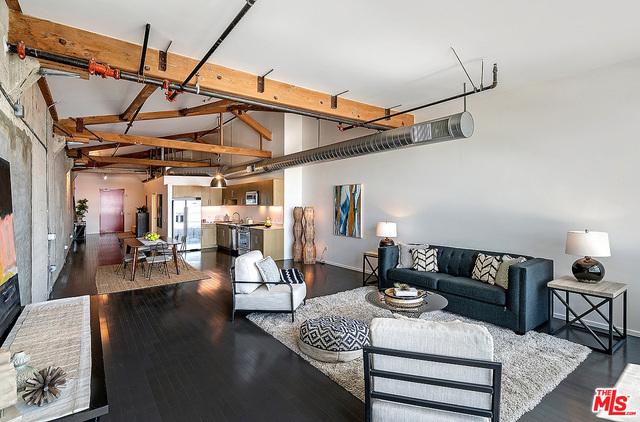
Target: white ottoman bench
x=333 y=338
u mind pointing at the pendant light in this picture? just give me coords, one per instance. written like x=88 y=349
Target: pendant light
x=218 y=180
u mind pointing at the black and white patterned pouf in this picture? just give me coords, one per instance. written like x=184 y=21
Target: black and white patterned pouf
x=333 y=338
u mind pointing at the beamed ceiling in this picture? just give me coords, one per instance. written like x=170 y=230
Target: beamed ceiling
x=385 y=53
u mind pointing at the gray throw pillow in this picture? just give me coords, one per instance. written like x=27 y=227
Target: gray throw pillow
x=269 y=271
x=502 y=277
x=405 y=260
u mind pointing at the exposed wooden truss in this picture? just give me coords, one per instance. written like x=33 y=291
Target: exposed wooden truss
x=48 y=98
x=62 y=39
x=253 y=124
x=146 y=162
x=137 y=102
x=167 y=143
x=14 y=5
x=201 y=110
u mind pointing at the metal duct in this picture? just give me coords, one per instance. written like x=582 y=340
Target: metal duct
x=448 y=128
x=196 y=171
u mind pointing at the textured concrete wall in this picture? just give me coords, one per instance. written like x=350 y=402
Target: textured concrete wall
x=40 y=187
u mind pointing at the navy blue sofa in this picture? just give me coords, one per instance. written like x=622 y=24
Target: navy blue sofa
x=522 y=307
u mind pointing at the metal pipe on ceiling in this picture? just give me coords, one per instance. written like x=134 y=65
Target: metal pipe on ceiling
x=456 y=126
x=215 y=46
x=431 y=104
x=133 y=77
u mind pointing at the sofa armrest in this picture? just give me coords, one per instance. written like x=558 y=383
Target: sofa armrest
x=387 y=259
x=527 y=292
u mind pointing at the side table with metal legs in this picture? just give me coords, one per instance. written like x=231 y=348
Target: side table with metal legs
x=603 y=292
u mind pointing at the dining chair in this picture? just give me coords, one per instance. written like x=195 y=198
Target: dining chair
x=158 y=257
x=180 y=243
x=128 y=259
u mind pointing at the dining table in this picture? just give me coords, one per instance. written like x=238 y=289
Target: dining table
x=134 y=244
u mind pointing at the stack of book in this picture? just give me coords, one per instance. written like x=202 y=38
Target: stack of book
x=406 y=292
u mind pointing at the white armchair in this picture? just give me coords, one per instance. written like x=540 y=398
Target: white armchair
x=417 y=370
x=250 y=292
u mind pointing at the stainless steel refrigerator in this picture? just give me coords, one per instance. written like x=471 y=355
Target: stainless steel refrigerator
x=187 y=219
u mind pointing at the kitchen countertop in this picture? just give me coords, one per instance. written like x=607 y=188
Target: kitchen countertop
x=273 y=227
x=230 y=223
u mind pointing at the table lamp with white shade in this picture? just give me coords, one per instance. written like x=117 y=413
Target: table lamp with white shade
x=588 y=244
x=387 y=230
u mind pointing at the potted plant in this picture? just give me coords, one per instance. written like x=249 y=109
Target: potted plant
x=81 y=209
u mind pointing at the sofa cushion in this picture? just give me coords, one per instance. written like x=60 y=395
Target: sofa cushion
x=246 y=270
x=486 y=268
x=405 y=260
x=425 y=259
x=455 y=261
x=472 y=289
x=418 y=278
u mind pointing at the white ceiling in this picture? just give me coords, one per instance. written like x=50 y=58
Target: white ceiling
x=384 y=52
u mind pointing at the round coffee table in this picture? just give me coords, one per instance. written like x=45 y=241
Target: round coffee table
x=431 y=302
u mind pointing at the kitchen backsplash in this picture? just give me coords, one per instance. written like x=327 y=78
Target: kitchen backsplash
x=258 y=213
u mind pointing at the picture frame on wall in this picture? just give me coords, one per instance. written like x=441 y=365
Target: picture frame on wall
x=347 y=210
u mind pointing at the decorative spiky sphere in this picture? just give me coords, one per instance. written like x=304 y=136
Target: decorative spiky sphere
x=44 y=387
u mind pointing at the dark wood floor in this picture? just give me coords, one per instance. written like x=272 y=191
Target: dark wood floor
x=171 y=353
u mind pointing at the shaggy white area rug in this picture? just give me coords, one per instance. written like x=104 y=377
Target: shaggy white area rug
x=532 y=364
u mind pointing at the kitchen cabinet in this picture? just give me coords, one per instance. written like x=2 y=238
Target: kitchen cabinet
x=269 y=241
x=209 y=236
x=270 y=192
x=211 y=196
x=187 y=191
x=233 y=195
x=223 y=235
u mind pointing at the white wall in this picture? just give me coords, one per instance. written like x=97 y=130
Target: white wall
x=88 y=185
x=544 y=159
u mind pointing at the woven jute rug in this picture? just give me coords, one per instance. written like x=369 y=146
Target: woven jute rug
x=108 y=281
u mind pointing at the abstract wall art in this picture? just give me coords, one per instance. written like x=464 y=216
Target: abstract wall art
x=347 y=207
x=8 y=264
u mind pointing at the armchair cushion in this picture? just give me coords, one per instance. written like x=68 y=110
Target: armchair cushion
x=455 y=339
x=246 y=270
x=268 y=271
x=276 y=299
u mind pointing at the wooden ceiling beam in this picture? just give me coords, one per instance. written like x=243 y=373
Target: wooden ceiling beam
x=168 y=143
x=191 y=135
x=48 y=98
x=138 y=102
x=148 y=162
x=202 y=110
x=253 y=124
x=14 y=5
x=221 y=106
x=62 y=39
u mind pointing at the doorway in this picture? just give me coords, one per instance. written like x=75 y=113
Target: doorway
x=111 y=210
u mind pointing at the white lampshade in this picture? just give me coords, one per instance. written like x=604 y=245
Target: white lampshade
x=386 y=229
x=587 y=243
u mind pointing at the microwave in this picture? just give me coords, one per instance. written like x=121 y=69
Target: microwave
x=251 y=198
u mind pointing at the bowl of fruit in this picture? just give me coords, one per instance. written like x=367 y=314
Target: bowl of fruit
x=152 y=237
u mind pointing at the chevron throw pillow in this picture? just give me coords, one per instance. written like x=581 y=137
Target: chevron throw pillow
x=425 y=259
x=486 y=268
